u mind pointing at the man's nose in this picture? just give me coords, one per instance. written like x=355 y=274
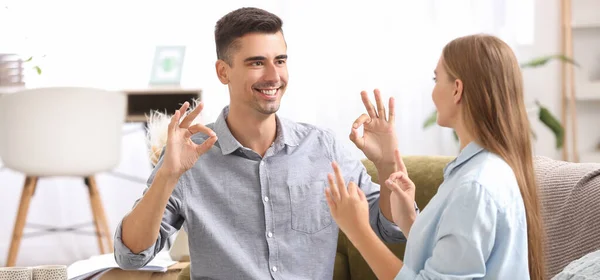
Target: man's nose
x=271 y=73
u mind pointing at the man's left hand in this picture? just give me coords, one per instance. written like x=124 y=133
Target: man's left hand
x=379 y=137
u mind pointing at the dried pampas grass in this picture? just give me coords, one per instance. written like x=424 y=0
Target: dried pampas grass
x=156 y=132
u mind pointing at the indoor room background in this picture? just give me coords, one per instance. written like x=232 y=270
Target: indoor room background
x=336 y=49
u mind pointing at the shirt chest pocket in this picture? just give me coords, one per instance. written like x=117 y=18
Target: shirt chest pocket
x=310 y=212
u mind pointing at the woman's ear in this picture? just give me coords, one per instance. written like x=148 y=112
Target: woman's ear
x=222 y=71
x=458 y=91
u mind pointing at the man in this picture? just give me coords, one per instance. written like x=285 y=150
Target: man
x=253 y=200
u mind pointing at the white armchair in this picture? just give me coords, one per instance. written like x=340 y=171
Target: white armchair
x=61 y=131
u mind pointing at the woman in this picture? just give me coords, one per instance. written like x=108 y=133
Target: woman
x=484 y=221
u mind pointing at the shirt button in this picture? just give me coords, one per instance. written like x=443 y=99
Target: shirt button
x=266 y=199
x=274 y=269
x=269 y=234
x=262 y=163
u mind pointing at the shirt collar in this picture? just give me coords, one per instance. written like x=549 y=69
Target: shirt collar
x=286 y=133
x=468 y=152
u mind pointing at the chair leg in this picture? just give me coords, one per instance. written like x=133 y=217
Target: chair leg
x=102 y=216
x=99 y=216
x=93 y=194
x=28 y=190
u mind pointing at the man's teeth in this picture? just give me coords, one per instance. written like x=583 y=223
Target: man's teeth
x=268 y=91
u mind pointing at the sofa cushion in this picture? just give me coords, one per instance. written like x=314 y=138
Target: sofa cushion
x=585 y=268
x=570 y=193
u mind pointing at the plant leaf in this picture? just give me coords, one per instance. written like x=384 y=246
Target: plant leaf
x=29 y=59
x=553 y=124
x=432 y=119
x=38 y=70
x=564 y=58
x=541 y=61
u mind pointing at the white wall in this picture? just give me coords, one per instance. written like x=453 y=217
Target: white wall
x=544 y=84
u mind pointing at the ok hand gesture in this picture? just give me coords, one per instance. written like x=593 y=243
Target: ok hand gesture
x=379 y=138
x=181 y=153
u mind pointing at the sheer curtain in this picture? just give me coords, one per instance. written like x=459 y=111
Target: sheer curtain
x=336 y=49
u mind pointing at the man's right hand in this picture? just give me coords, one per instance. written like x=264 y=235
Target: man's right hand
x=142 y=226
x=181 y=153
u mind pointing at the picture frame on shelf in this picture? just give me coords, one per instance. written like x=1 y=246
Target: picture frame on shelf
x=167 y=66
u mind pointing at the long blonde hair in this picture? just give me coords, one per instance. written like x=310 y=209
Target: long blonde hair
x=494 y=111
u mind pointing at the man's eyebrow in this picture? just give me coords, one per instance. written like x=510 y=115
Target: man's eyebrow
x=255 y=58
x=259 y=58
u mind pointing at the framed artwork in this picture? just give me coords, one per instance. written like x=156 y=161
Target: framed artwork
x=168 y=65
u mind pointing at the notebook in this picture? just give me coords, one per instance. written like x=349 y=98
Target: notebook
x=94 y=267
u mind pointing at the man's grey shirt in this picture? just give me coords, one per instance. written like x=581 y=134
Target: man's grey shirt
x=253 y=217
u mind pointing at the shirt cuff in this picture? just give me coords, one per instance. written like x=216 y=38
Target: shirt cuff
x=405 y=274
x=390 y=232
x=125 y=258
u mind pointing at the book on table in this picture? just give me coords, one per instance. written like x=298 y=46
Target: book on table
x=96 y=266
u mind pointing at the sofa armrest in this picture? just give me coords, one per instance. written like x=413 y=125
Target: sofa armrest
x=341 y=269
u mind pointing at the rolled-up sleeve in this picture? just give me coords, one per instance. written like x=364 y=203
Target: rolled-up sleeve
x=465 y=238
x=170 y=224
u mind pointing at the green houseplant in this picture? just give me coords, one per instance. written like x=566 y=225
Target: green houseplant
x=37 y=68
x=543 y=114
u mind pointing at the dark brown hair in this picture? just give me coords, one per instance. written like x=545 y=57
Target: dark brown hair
x=495 y=112
x=240 y=22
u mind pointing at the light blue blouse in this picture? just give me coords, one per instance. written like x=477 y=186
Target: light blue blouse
x=474 y=227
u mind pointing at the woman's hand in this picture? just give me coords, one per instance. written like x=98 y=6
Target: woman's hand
x=349 y=207
x=402 y=199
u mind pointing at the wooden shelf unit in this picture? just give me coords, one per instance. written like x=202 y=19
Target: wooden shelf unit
x=140 y=102
x=580 y=98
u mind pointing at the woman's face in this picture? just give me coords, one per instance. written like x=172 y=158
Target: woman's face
x=445 y=96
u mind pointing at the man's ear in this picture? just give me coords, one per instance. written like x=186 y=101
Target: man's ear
x=458 y=91
x=222 y=69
